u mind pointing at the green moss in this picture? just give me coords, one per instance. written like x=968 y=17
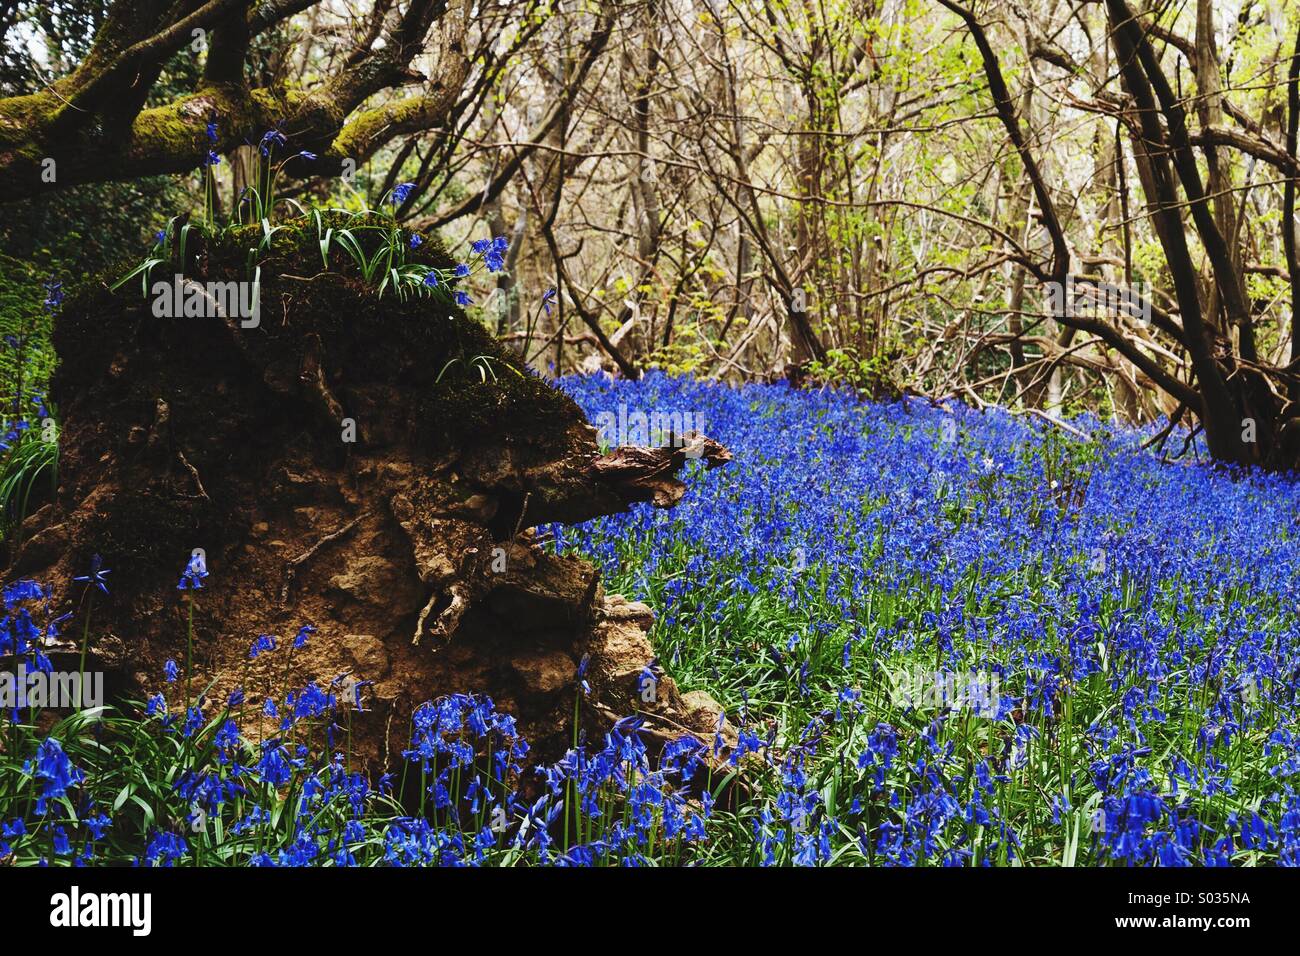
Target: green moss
x=19 y=115
x=458 y=409
x=357 y=137
x=181 y=126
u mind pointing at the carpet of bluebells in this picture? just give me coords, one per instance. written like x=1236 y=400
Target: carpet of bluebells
x=1129 y=630
x=945 y=637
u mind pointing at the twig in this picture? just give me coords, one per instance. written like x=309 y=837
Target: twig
x=291 y=569
x=194 y=473
x=424 y=615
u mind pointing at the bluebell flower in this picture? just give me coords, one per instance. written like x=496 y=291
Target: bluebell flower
x=400 y=192
x=493 y=252
x=275 y=766
x=265 y=643
x=581 y=676
x=193 y=721
x=95 y=577
x=165 y=849
x=192 y=577
x=271 y=139
x=55 y=770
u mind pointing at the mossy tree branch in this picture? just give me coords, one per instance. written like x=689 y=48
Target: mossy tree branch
x=95 y=126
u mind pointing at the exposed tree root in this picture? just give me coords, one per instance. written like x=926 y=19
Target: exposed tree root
x=420 y=527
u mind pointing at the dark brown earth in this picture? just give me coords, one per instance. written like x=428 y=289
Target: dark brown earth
x=408 y=549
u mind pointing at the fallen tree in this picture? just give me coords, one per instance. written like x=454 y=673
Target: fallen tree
x=370 y=466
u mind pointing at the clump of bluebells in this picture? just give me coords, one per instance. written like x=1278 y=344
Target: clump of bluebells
x=262 y=780
x=490 y=254
x=370 y=239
